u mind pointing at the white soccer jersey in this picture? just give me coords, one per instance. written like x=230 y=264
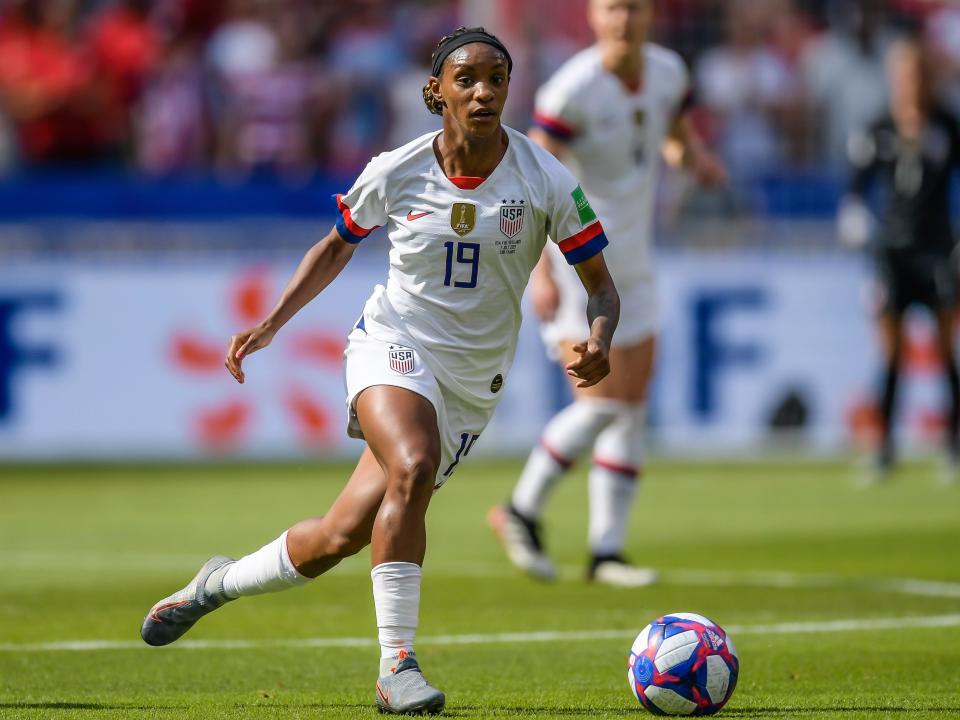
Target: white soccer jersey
x=615 y=136
x=462 y=251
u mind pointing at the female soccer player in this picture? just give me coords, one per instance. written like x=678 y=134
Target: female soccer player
x=468 y=211
x=911 y=154
x=610 y=110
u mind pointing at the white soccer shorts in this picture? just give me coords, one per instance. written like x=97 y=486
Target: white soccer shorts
x=639 y=314
x=371 y=362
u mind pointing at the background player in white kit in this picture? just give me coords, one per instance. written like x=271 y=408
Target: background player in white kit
x=608 y=111
x=467 y=211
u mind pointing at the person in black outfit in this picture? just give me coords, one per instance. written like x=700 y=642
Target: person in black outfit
x=909 y=157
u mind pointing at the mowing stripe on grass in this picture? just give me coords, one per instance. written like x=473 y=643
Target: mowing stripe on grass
x=150 y=563
x=795 y=628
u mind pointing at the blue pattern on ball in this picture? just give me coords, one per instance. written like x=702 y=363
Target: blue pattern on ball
x=643 y=670
x=685 y=681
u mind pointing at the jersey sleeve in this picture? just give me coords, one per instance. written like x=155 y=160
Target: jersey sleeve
x=364 y=207
x=574 y=226
x=557 y=111
x=682 y=96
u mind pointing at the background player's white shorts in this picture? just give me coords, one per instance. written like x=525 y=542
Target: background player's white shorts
x=639 y=316
x=371 y=362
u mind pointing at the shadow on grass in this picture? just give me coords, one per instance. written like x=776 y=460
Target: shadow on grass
x=794 y=711
x=77 y=706
x=486 y=710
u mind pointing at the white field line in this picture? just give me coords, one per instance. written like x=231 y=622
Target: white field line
x=146 y=563
x=794 y=628
x=906 y=586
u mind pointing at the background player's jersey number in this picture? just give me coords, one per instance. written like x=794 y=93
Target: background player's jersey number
x=464 y=253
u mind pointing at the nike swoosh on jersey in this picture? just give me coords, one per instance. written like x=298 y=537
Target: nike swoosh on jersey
x=411 y=217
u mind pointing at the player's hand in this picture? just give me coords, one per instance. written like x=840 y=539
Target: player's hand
x=709 y=170
x=243 y=344
x=593 y=365
x=545 y=295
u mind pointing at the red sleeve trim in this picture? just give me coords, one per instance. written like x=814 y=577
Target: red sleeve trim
x=554 y=125
x=581 y=238
x=349 y=221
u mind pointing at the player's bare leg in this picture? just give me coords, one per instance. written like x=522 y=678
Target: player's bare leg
x=946 y=322
x=401 y=430
x=307 y=550
x=317 y=544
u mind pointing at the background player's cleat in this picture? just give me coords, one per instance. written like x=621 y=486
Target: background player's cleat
x=878 y=469
x=170 y=618
x=521 y=540
x=616 y=571
x=949 y=470
x=406 y=692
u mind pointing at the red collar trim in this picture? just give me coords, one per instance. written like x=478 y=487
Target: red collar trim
x=467 y=182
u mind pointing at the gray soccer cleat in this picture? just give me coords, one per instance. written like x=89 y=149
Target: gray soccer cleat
x=521 y=540
x=170 y=618
x=406 y=692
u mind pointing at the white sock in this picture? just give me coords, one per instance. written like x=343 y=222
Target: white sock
x=267 y=570
x=396 y=597
x=614 y=480
x=566 y=437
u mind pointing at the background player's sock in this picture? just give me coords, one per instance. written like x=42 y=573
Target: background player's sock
x=614 y=480
x=396 y=597
x=566 y=437
x=267 y=570
x=611 y=499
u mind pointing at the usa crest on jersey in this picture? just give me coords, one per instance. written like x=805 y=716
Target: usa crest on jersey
x=401 y=360
x=511 y=219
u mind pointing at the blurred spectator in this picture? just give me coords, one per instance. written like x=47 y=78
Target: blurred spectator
x=124 y=47
x=245 y=43
x=364 y=55
x=943 y=31
x=295 y=86
x=845 y=74
x=273 y=100
x=48 y=85
x=172 y=127
x=409 y=118
x=746 y=85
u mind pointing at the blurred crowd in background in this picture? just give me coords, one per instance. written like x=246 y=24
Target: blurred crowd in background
x=297 y=86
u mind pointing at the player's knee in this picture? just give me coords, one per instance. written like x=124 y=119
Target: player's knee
x=414 y=472
x=623 y=441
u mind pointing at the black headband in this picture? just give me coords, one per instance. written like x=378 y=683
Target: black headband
x=465 y=39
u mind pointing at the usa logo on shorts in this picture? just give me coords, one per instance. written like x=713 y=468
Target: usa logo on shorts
x=401 y=360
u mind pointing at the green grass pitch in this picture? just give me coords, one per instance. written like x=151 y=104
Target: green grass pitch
x=843 y=603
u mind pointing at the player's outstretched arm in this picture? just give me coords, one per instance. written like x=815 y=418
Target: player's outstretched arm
x=319 y=267
x=603 y=313
x=685 y=148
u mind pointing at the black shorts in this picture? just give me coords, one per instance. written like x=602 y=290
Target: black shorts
x=908 y=279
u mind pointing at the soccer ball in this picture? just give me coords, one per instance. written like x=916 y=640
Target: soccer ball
x=683 y=664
